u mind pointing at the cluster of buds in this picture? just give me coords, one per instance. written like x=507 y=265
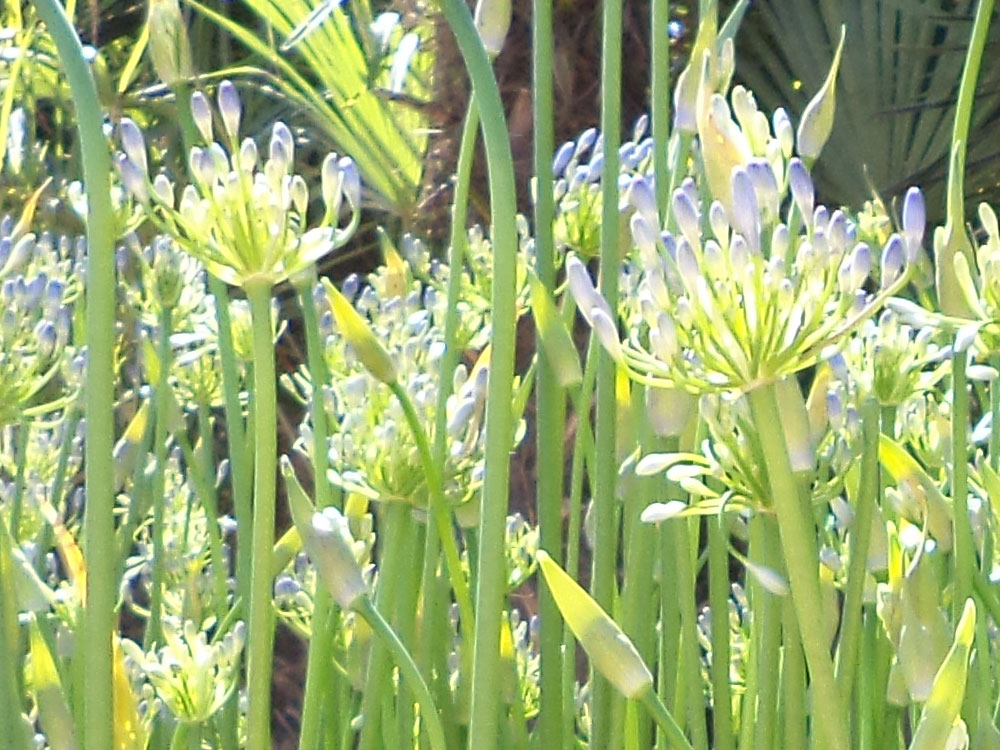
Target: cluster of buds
x=748 y=301
x=37 y=290
x=890 y=360
x=243 y=218
x=738 y=607
x=192 y=677
x=577 y=169
x=372 y=451
x=160 y=278
x=188 y=586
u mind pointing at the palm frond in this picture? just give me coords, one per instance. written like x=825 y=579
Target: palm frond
x=896 y=91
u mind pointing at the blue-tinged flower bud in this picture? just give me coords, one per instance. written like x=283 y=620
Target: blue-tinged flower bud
x=352 y=181
x=686 y=216
x=133 y=179
x=719 y=222
x=34 y=290
x=817 y=119
x=914 y=220
x=739 y=256
x=765 y=185
x=685 y=100
x=584 y=293
x=248 y=155
x=745 y=214
x=458 y=421
x=133 y=143
x=893 y=258
x=595 y=169
x=640 y=194
x=201 y=113
x=562 y=158
x=802 y=188
x=861 y=265
x=687 y=265
x=837 y=230
x=587 y=139
x=663 y=338
x=299 y=193
x=283 y=135
x=53 y=298
x=230 y=108
x=644 y=236
x=163 y=190
x=46 y=339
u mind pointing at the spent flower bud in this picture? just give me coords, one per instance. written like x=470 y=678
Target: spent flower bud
x=817 y=119
x=610 y=651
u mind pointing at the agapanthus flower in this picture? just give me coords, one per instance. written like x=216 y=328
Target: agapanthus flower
x=193 y=677
x=734 y=297
x=244 y=216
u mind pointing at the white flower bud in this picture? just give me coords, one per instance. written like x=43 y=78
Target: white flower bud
x=201 y=113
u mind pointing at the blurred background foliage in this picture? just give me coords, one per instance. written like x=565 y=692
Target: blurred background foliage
x=896 y=91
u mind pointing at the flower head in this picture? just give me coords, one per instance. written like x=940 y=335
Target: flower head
x=245 y=220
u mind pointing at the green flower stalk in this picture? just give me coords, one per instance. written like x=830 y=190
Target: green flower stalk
x=246 y=220
x=95 y=661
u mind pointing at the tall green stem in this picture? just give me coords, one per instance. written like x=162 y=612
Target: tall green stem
x=965 y=555
x=766 y=630
x=260 y=643
x=798 y=541
x=718 y=592
x=868 y=492
x=484 y=729
x=660 y=99
x=319 y=671
x=102 y=586
x=407 y=668
x=690 y=656
x=606 y=471
x=550 y=400
x=239 y=470
x=433 y=631
x=154 y=628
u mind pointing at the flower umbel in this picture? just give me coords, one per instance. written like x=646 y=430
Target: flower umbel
x=243 y=217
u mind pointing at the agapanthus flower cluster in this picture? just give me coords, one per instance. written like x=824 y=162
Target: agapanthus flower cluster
x=244 y=217
x=188 y=586
x=372 y=451
x=192 y=676
x=476 y=281
x=727 y=474
x=736 y=297
x=578 y=168
x=890 y=360
x=37 y=289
